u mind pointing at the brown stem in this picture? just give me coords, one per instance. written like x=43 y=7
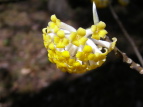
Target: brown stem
x=126 y=59
x=126 y=34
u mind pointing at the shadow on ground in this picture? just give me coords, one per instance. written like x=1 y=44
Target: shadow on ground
x=113 y=85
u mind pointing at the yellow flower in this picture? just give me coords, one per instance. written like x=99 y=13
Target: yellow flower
x=77 y=51
x=98 y=30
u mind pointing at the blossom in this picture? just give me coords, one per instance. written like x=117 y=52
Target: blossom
x=77 y=50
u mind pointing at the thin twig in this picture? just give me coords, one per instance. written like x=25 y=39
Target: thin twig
x=126 y=59
x=129 y=61
x=126 y=34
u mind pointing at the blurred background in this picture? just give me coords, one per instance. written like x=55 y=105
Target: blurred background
x=27 y=78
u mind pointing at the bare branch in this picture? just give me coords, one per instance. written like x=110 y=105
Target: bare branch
x=126 y=59
x=126 y=34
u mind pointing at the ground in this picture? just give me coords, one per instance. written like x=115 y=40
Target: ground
x=27 y=78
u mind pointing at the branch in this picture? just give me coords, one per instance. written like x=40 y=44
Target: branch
x=126 y=34
x=129 y=61
x=126 y=59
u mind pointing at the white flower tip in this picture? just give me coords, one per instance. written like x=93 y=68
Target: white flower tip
x=95 y=15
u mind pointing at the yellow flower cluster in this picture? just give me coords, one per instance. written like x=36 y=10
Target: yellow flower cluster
x=77 y=38
x=76 y=51
x=98 y=30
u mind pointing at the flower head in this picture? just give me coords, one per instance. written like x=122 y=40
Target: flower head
x=77 y=50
